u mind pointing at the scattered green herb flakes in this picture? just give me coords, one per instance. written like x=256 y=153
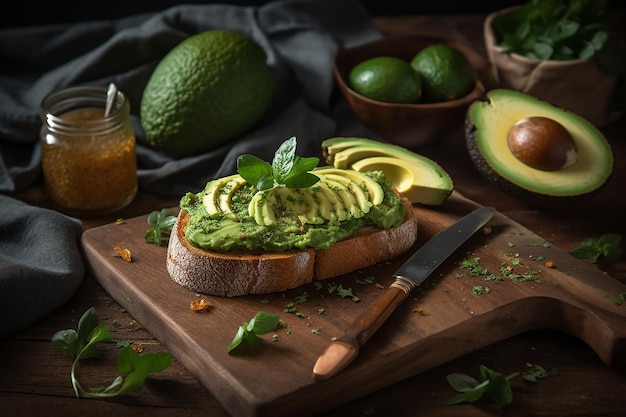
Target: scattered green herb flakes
x=291 y=308
x=246 y=340
x=339 y=290
x=536 y=372
x=286 y=168
x=302 y=298
x=161 y=223
x=367 y=280
x=492 y=385
x=606 y=246
x=480 y=290
x=473 y=266
x=507 y=271
x=542 y=244
x=620 y=299
x=81 y=344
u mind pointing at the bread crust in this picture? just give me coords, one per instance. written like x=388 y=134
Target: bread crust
x=235 y=274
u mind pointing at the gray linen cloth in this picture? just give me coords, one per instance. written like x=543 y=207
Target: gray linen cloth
x=40 y=261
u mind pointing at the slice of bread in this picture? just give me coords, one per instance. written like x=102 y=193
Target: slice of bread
x=235 y=274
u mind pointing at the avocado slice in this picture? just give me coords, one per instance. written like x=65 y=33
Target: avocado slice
x=415 y=176
x=375 y=193
x=339 y=195
x=487 y=128
x=219 y=192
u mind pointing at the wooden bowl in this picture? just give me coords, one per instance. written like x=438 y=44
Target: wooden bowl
x=407 y=125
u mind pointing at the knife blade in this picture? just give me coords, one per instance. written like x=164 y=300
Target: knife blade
x=412 y=273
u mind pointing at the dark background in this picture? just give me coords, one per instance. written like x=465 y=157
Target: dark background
x=25 y=13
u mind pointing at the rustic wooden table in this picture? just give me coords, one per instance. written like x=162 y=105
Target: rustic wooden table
x=35 y=378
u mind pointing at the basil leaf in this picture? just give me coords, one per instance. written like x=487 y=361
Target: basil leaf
x=462 y=382
x=265 y=182
x=252 y=168
x=88 y=321
x=284 y=158
x=303 y=165
x=263 y=322
x=237 y=339
x=499 y=391
x=609 y=239
x=157 y=362
x=302 y=181
x=65 y=341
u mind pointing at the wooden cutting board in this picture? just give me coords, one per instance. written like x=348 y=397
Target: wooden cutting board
x=453 y=313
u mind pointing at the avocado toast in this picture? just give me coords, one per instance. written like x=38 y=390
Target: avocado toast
x=237 y=237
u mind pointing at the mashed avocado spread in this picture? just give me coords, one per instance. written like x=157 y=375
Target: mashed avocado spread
x=232 y=215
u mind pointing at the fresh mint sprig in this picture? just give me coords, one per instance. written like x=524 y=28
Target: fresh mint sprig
x=606 y=246
x=81 y=344
x=492 y=385
x=286 y=168
x=246 y=340
x=161 y=223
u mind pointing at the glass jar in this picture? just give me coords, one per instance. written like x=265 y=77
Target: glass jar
x=88 y=160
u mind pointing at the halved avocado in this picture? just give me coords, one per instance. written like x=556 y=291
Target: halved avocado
x=417 y=177
x=487 y=129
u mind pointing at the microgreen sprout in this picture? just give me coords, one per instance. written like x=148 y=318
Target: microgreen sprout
x=81 y=344
x=286 y=168
x=161 y=223
x=493 y=385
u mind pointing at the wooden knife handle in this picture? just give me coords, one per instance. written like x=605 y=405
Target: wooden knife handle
x=343 y=350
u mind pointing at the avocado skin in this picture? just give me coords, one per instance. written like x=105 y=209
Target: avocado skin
x=535 y=199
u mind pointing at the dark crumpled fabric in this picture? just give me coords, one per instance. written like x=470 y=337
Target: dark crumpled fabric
x=40 y=262
x=299 y=37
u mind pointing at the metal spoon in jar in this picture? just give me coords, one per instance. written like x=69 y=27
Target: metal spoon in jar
x=111 y=94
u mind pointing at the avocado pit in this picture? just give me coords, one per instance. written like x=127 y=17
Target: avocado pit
x=542 y=143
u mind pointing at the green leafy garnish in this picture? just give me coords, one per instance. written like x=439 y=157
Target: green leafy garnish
x=246 y=340
x=555 y=29
x=81 y=344
x=493 y=385
x=161 y=223
x=286 y=168
x=607 y=246
x=536 y=372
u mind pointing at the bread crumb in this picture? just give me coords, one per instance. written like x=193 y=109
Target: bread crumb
x=199 y=305
x=123 y=253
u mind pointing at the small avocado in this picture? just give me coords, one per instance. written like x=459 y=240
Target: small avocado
x=415 y=176
x=516 y=141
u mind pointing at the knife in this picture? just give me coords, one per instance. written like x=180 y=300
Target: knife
x=412 y=273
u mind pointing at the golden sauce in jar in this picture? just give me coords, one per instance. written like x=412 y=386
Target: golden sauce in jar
x=88 y=160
